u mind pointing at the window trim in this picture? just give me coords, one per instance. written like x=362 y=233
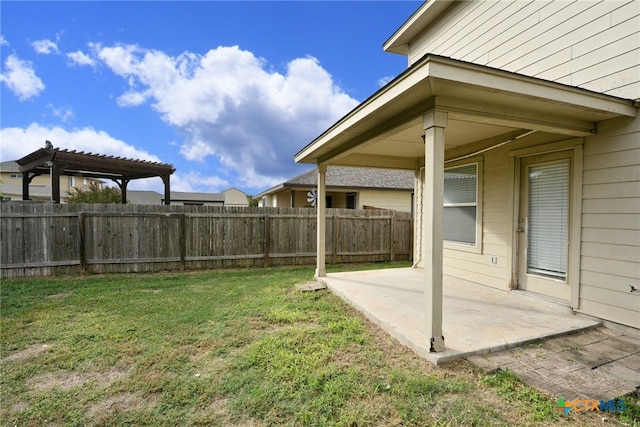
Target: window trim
x=459 y=246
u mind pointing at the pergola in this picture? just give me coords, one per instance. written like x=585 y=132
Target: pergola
x=56 y=162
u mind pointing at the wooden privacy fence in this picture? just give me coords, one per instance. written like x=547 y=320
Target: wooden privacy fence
x=42 y=239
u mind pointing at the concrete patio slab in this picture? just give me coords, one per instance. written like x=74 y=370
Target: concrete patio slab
x=476 y=318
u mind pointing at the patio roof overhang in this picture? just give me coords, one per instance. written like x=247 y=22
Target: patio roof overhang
x=481 y=103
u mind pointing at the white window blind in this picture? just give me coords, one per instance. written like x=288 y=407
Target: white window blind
x=548 y=220
x=461 y=204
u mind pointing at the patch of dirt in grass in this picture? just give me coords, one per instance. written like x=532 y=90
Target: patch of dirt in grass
x=17 y=408
x=69 y=380
x=121 y=403
x=31 y=351
x=197 y=353
x=58 y=296
x=218 y=407
x=152 y=291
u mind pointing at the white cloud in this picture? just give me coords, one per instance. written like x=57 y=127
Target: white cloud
x=45 y=47
x=195 y=181
x=81 y=59
x=131 y=99
x=21 y=78
x=63 y=113
x=18 y=142
x=232 y=105
x=3 y=41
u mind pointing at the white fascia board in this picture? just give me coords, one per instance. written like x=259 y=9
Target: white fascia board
x=486 y=78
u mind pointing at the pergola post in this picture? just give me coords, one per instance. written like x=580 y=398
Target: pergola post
x=167 y=189
x=321 y=203
x=434 y=123
x=56 y=171
x=25 y=185
x=123 y=190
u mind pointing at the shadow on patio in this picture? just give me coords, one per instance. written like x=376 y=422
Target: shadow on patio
x=476 y=318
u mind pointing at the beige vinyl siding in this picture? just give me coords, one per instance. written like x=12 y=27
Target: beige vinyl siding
x=300 y=198
x=282 y=199
x=235 y=197
x=589 y=44
x=385 y=199
x=610 y=258
x=45 y=181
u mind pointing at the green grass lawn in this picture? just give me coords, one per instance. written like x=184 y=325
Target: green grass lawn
x=228 y=347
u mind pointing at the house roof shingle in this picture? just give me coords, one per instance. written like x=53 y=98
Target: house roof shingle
x=351 y=178
x=354 y=177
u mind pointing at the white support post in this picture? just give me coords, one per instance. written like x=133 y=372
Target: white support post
x=434 y=123
x=321 y=227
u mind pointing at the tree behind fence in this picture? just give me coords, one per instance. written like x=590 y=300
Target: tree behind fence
x=42 y=239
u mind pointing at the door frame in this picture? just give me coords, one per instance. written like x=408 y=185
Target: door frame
x=575 y=146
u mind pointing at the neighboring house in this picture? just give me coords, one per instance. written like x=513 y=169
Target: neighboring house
x=520 y=123
x=347 y=187
x=177 y=198
x=11 y=191
x=40 y=186
x=144 y=197
x=235 y=197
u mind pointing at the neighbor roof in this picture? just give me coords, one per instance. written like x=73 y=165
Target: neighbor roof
x=147 y=197
x=9 y=166
x=181 y=196
x=352 y=178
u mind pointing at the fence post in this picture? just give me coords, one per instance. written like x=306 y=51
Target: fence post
x=81 y=242
x=267 y=236
x=392 y=242
x=183 y=241
x=335 y=238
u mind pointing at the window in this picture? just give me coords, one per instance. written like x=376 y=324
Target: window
x=461 y=204
x=548 y=224
x=351 y=200
x=16 y=175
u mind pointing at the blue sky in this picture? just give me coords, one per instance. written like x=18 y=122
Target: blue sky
x=227 y=92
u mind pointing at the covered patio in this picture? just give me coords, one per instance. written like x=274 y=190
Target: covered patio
x=444 y=115
x=476 y=319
